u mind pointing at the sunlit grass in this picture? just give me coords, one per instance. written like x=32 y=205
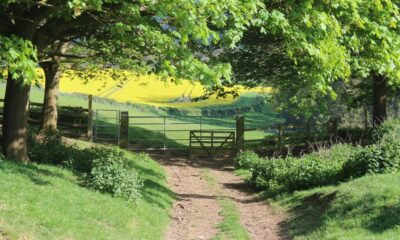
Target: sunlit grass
x=364 y=208
x=47 y=202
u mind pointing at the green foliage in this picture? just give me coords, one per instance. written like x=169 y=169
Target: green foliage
x=113 y=173
x=330 y=166
x=384 y=156
x=312 y=51
x=311 y=170
x=166 y=37
x=246 y=160
x=379 y=158
x=355 y=134
x=101 y=169
x=389 y=131
x=20 y=57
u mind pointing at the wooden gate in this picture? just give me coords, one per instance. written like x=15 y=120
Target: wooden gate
x=211 y=141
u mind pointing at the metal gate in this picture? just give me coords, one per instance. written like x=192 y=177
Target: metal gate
x=106 y=126
x=171 y=132
x=212 y=141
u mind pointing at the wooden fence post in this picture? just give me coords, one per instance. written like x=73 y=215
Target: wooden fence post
x=124 y=130
x=89 y=132
x=239 y=133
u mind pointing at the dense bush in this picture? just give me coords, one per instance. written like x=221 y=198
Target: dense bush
x=312 y=170
x=379 y=158
x=246 y=160
x=101 y=169
x=112 y=172
x=384 y=156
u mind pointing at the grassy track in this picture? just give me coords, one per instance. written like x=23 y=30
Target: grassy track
x=47 y=202
x=230 y=227
x=365 y=208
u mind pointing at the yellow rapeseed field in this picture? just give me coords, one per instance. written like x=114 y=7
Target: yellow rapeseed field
x=146 y=89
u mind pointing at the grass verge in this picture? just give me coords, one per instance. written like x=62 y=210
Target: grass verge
x=364 y=208
x=47 y=202
x=244 y=173
x=230 y=227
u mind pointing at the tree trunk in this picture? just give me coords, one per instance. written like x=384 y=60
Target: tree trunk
x=52 y=76
x=379 y=100
x=15 y=117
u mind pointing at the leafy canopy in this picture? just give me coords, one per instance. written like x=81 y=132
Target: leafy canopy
x=20 y=57
x=162 y=36
x=307 y=48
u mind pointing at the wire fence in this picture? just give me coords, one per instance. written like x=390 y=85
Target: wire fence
x=107 y=125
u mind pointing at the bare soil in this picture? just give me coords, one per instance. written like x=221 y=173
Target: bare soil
x=195 y=214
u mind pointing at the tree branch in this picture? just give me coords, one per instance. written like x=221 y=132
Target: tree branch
x=65 y=55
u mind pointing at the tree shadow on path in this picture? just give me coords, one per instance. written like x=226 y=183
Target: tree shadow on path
x=217 y=164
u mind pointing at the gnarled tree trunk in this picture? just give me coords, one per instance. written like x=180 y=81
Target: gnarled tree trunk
x=379 y=100
x=15 y=117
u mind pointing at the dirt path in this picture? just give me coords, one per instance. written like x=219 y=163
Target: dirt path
x=260 y=220
x=196 y=213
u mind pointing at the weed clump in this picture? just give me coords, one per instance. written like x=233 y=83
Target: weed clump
x=246 y=160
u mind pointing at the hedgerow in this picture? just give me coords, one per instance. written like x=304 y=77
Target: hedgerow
x=290 y=173
x=382 y=157
x=326 y=166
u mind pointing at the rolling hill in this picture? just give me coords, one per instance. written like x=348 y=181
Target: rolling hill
x=144 y=89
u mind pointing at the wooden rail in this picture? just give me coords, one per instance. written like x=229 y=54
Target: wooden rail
x=76 y=121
